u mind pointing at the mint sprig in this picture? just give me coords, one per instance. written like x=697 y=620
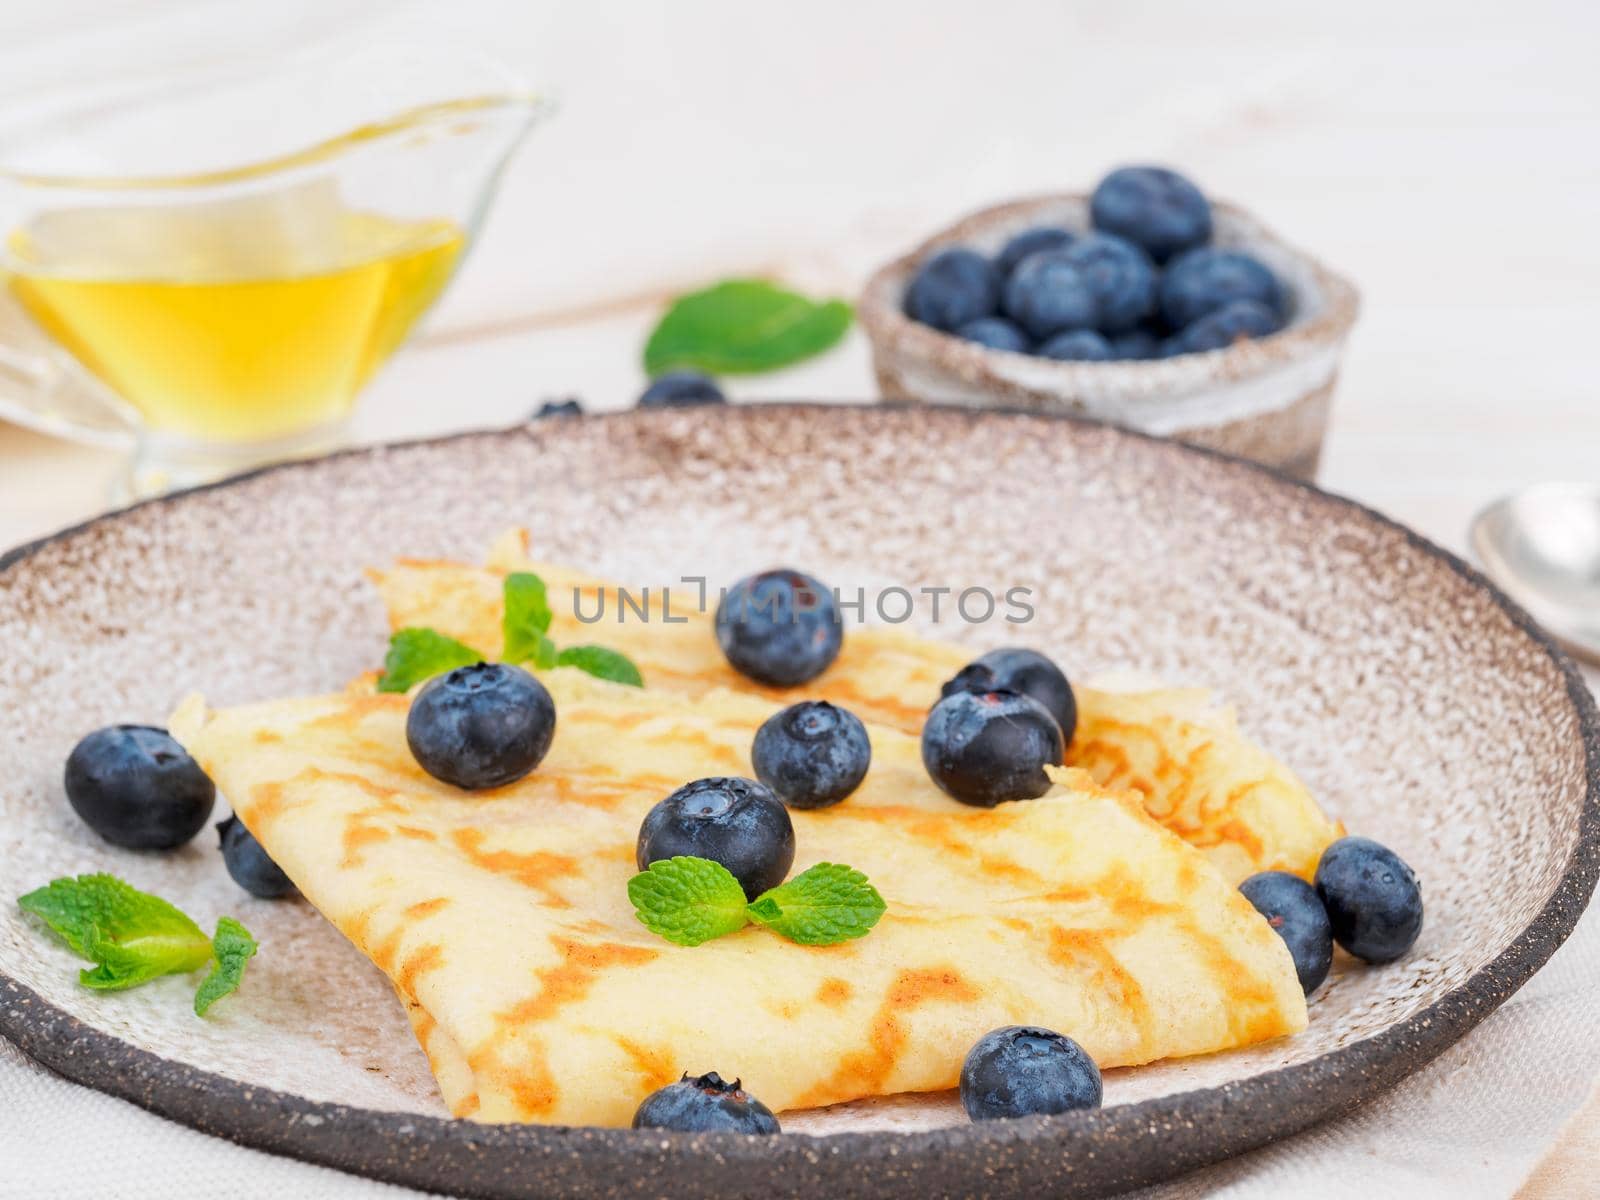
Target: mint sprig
x=132 y=937
x=603 y=663
x=418 y=653
x=690 y=900
x=742 y=326
x=231 y=948
x=525 y=621
x=826 y=904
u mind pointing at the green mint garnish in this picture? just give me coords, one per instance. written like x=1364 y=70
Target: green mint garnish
x=742 y=326
x=603 y=663
x=692 y=900
x=133 y=937
x=526 y=619
x=688 y=900
x=231 y=949
x=416 y=654
x=827 y=903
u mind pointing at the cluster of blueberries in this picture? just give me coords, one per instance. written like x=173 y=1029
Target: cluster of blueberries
x=987 y=740
x=1144 y=283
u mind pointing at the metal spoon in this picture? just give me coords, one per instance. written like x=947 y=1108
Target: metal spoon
x=1542 y=545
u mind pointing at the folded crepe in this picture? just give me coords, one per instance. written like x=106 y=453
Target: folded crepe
x=1183 y=753
x=502 y=917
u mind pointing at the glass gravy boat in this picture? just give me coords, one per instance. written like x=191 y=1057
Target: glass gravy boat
x=154 y=291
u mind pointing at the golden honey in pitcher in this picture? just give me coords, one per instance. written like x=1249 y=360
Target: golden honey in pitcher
x=243 y=319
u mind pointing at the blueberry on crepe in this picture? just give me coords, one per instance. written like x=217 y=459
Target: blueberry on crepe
x=704 y=1104
x=1014 y=669
x=811 y=754
x=482 y=726
x=736 y=822
x=780 y=627
x=985 y=748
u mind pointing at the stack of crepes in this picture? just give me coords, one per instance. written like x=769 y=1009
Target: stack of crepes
x=1106 y=909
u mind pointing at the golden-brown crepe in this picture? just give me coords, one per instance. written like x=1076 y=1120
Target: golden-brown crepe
x=1196 y=771
x=503 y=920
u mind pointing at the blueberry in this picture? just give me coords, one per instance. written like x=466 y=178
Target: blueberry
x=1203 y=281
x=780 y=627
x=482 y=726
x=570 y=406
x=1022 y=1071
x=987 y=747
x=1156 y=209
x=681 y=389
x=1135 y=344
x=136 y=787
x=1031 y=241
x=707 y=1104
x=1077 y=345
x=736 y=822
x=1049 y=293
x=1373 y=899
x=1121 y=276
x=997 y=333
x=952 y=288
x=251 y=867
x=1291 y=907
x=1015 y=669
x=1231 y=323
x=811 y=754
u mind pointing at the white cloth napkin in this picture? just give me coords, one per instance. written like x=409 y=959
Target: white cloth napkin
x=1473 y=1124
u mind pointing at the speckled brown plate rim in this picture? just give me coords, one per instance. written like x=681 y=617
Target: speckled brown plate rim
x=1076 y=1154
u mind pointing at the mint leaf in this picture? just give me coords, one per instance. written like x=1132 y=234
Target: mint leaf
x=742 y=326
x=603 y=663
x=826 y=904
x=231 y=948
x=526 y=620
x=130 y=936
x=688 y=900
x=544 y=655
x=419 y=653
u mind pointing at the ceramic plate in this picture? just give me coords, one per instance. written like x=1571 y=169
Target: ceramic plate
x=1421 y=707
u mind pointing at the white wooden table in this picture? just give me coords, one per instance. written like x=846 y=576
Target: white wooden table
x=1444 y=161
